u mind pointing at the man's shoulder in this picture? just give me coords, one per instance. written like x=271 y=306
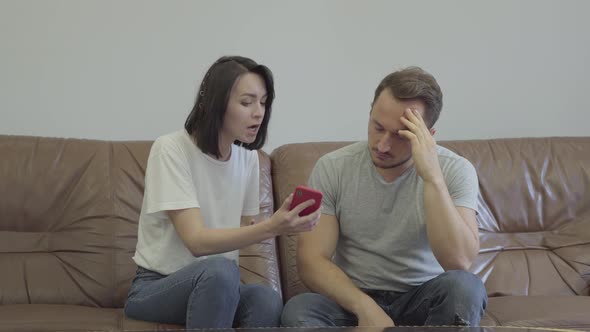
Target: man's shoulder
x=347 y=154
x=451 y=161
x=449 y=155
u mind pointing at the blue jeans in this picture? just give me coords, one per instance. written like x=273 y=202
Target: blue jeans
x=204 y=294
x=452 y=298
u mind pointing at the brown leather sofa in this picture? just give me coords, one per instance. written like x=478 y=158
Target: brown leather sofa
x=69 y=211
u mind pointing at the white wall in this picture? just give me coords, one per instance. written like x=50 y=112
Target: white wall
x=113 y=69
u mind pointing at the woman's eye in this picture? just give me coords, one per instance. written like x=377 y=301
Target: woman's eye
x=246 y=103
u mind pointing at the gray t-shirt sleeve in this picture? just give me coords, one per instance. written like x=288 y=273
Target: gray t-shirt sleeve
x=323 y=178
x=463 y=184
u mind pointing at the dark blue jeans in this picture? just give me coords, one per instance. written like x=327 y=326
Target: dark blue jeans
x=205 y=294
x=452 y=298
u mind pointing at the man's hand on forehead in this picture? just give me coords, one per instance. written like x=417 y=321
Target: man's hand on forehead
x=424 y=151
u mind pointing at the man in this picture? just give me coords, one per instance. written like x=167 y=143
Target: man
x=398 y=230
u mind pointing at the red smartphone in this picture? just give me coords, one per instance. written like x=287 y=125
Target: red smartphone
x=302 y=194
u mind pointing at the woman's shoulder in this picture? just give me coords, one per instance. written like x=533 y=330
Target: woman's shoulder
x=174 y=142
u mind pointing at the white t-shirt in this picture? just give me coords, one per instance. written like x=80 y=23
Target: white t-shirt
x=179 y=176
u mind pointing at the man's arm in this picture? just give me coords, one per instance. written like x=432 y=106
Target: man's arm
x=452 y=231
x=317 y=271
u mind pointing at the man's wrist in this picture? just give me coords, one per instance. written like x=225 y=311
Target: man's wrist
x=364 y=303
x=438 y=181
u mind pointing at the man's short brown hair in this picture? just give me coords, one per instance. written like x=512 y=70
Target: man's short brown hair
x=414 y=83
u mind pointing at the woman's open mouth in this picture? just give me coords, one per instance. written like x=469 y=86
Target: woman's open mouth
x=253 y=130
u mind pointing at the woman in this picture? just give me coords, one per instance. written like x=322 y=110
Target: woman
x=200 y=183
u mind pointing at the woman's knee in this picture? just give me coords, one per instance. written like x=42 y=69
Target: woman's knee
x=261 y=306
x=266 y=297
x=219 y=272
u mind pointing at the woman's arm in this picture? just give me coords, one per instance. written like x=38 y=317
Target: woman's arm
x=202 y=241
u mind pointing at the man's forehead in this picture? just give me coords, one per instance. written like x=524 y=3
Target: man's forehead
x=398 y=109
x=387 y=120
x=415 y=105
x=388 y=100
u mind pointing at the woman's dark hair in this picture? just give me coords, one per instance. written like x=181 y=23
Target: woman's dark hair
x=205 y=121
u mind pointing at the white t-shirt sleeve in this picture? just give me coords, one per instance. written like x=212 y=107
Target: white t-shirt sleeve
x=168 y=180
x=251 y=198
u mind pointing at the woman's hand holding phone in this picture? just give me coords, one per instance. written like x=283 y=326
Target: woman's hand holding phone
x=287 y=219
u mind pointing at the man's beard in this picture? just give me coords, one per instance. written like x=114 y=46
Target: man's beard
x=392 y=166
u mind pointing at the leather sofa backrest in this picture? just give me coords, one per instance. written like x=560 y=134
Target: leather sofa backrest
x=68 y=221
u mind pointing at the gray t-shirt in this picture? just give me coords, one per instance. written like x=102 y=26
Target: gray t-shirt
x=382 y=242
